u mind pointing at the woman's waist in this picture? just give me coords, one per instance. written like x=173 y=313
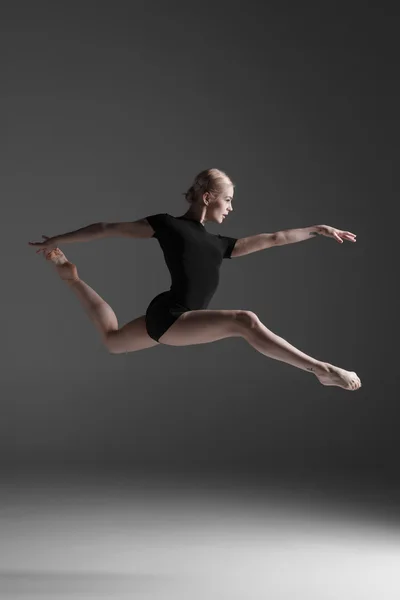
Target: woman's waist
x=190 y=298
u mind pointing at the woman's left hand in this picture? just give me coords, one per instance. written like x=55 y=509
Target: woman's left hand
x=336 y=234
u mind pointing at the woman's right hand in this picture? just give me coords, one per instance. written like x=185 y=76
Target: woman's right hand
x=48 y=244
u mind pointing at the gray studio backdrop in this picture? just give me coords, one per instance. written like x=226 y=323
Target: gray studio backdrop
x=108 y=112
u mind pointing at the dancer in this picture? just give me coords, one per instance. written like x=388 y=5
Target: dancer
x=179 y=316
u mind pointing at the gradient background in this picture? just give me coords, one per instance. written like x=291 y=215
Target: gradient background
x=108 y=111
x=112 y=466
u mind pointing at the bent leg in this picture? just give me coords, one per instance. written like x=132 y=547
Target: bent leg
x=99 y=312
x=132 y=336
x=129 y=338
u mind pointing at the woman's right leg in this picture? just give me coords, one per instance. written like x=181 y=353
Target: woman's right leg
x=129 y=338
x=203 y=326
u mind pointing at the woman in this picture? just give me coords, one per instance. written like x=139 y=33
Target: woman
x=179 y=316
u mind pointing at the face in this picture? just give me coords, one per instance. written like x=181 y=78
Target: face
x=221 y=205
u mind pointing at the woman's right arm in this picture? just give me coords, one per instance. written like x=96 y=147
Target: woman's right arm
x=136 y=229
x=84 y=234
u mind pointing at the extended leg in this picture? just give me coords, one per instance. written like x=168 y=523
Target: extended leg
x=274 y=346
x=205 y=326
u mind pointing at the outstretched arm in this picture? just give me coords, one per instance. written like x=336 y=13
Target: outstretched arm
x=261 y=241
x=84 y=234
x=135 y=229
x=290 y=236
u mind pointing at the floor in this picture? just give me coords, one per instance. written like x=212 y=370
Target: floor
x=156 y=539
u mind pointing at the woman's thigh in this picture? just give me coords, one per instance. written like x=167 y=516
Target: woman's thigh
x=204 y=326
x=131 y=337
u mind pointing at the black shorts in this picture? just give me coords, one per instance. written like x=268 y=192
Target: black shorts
x=161 y=313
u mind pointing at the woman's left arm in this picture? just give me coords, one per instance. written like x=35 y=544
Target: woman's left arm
x=261 y=241
x=290 y=236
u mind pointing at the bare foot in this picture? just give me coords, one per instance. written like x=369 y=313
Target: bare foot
x=65 y=269
x=348 y=380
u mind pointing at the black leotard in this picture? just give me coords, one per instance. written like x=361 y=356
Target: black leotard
x=193 y=257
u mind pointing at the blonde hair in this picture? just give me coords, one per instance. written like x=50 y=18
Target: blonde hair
x=209 y=180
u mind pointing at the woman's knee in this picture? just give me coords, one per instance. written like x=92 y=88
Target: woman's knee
x=111 y=342
x=131 y=337
x=247 y=319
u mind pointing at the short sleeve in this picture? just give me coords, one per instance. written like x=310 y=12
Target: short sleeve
x=228 y=244
x=157 y=222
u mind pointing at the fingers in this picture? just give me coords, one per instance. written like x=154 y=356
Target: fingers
x=46 y=237
x=339 y=235
x=349 y=236
x=43 y=245
x=337 y=238
x=346 y=235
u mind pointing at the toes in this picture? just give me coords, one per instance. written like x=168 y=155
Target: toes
x=356 y=381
